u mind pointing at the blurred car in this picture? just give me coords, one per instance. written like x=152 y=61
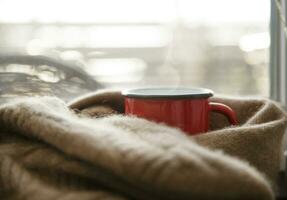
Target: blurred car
x=25 y=75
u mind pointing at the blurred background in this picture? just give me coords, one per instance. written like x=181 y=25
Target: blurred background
x=222 y=45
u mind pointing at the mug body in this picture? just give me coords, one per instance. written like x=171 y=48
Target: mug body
x=187 y=109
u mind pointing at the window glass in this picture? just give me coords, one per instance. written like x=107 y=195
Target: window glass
x=222 y=45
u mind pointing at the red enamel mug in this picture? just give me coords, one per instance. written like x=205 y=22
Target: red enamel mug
x=185 y=108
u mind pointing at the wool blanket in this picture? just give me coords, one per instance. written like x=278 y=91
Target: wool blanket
x=88 y=149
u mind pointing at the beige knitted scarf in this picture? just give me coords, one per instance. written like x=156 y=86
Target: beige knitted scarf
x=89 y=150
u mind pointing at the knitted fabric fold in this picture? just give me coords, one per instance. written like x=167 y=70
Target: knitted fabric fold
x=49 y=151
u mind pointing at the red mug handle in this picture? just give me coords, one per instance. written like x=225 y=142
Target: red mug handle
x=225 y=110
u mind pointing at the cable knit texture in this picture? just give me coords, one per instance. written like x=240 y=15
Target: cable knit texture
x=89 y=150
